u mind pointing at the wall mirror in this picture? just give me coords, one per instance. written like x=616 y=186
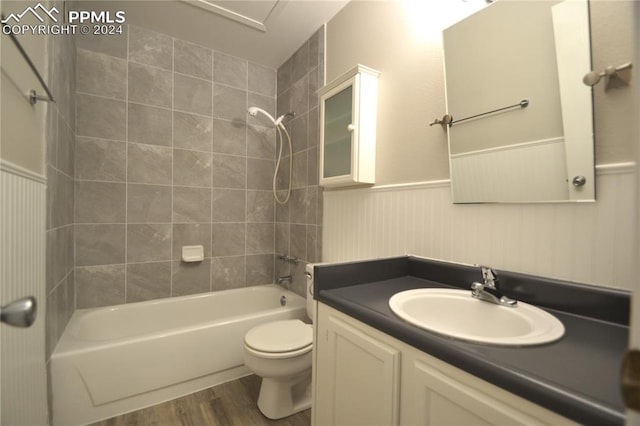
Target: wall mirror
x=522 y=128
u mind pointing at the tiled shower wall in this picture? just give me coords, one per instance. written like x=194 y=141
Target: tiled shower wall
x=167 y=156
x=299 y=222
x=60 y=139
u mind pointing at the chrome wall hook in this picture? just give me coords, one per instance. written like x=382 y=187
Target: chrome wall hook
x=609 y=73
x=446 y=119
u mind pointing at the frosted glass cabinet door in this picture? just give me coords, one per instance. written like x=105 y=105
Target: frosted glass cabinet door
x=348 y=111
x=337 y=143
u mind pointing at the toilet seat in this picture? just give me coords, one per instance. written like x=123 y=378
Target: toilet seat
x=280 y=337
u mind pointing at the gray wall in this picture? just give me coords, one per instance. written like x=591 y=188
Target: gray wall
x=60 y=165
x=299 y=222
x=167 y=156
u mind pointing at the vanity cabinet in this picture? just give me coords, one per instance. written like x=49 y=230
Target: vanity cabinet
x=357 y=375
x=364 y=376
x=348 y=111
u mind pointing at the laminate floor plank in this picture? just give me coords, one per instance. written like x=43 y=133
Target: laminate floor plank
x=229 y=404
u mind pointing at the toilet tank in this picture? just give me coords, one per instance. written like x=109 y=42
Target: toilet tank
x=309 y=275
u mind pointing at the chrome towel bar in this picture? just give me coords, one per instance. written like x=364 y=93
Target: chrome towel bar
x=33 y=96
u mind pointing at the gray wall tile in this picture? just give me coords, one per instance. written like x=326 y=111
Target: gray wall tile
x=192 y=95
x=66 y=148
x=99 y=159
x=113 y=45
x=261 y=142
x=101 y=75
x=59 y=136
x=150 y=85
x=229 y=70
x=192 y=131
x=149 y=125
x=148 y=203
x=228 y=205
x=300 y=95
x=100 y=202
x=300 y=62
x=298 y=242
x=300 y=168
x=260 y=173
x=282 y=238
x=260 y=269
x=260 y=206
x=59 y=257
x=182 y=154
x=148 y=242
x=149 y=164
x=192 y=59
x=61 y=198
x=299 y=204
x=148 y=281
x=229 y=137
x=191 y=278
x=262 y=80
x=99 y=244
x=297 y=231
x=229 y=103
x=191 y=234
x=150 y=48
x=100 y=286
x=191 y=204
x=260 y=238
x=227 y=272
x=283 y=77
x=298 y=128
x=229 y=171
x=191 y=168
x=312 y=166
x=228 y=239
x=101 y=117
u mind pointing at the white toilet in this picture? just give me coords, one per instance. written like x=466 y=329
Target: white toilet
x=280 y=353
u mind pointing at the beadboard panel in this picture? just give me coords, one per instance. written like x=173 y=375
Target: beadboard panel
x=538 y=169
x=22 y=273
x=584 y=242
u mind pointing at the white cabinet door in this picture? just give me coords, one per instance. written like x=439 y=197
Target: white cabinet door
x=348 y=108
x=435 y=393
x=357 y=376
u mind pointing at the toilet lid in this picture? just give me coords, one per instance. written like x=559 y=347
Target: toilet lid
x=280 y=336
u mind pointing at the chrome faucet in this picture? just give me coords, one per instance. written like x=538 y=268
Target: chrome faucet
x=489 y=291
x=285 y=280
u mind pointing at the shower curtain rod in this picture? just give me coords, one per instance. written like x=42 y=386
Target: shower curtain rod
x=33 y=96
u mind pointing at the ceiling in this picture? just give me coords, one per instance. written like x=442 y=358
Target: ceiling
x=267 y=32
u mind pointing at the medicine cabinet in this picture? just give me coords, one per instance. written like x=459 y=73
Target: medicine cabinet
x=348 y=128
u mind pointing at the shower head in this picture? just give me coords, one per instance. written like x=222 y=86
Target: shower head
x=253 y=111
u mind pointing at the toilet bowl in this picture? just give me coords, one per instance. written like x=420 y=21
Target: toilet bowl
x=280 y=352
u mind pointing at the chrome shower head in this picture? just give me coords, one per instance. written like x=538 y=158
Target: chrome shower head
x=253 y=111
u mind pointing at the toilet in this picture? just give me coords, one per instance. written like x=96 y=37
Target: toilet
x=280 y=352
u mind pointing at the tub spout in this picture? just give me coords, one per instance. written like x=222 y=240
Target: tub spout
x=285 y=279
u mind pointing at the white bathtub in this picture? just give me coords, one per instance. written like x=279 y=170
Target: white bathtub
x=117 y=359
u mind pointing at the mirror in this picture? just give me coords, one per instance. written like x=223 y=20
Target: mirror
x=522 y=128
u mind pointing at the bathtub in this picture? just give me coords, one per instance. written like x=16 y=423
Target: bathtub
x=117 y=359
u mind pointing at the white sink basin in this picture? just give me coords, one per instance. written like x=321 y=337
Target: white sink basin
x=455 y=313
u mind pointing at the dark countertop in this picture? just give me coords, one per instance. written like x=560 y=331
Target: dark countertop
x=577 y=376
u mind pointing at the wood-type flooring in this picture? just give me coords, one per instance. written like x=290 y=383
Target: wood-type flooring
x=231 y=403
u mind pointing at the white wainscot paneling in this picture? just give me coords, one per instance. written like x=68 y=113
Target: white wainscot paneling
x=22 y=273
x=590 y=242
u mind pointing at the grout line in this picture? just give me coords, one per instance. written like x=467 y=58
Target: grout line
x=173 y=94
x=126 y=171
